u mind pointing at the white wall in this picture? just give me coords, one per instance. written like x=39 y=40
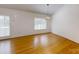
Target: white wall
x=22 y=23
x=65 y=22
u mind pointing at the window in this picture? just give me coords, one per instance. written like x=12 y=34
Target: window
x=40 y=23
x=4 y=26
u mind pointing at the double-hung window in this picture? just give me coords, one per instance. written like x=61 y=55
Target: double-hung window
x=40 y=23
x=4 y=26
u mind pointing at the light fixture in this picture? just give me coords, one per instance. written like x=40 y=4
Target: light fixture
x=47 y=16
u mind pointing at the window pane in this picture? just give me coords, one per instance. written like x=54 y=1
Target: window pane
x=6 y=22
x=1 y=21
x=4 y=31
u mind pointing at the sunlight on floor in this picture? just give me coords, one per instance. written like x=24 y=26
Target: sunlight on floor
x=41 y=40
x=5 y=47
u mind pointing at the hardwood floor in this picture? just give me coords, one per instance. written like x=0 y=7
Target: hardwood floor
x=39 y=44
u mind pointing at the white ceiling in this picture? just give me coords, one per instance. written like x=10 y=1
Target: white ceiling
x=37 y=8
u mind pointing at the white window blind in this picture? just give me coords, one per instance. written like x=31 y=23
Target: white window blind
x=4 y=26
x=40 y=23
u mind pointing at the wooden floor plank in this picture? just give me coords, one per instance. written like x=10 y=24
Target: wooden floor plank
x=39 y=44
